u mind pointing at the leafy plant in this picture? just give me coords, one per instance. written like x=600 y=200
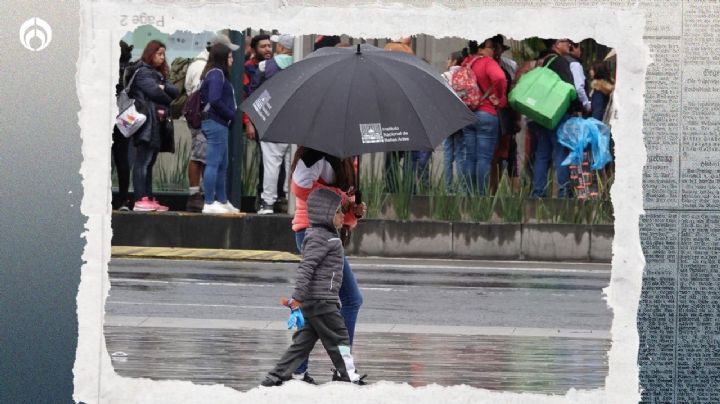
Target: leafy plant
x=373 y=192
x=403 y=179
x=170 y=172
x=250 y=172
x=442 y=205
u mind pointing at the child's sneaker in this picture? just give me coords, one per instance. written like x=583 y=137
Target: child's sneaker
x=268 y=382
x=361 y=381
x=145 y=204
x=304 y=377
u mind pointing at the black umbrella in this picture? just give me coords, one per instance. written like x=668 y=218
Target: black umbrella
x=350 y=101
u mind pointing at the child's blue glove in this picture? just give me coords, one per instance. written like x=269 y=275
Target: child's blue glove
x=296 y=319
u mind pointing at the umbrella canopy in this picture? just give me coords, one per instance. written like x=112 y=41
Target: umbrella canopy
x=349 y=101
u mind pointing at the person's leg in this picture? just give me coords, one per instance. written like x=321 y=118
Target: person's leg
x=351 y=299
x=458 y=152
x=334 y=337
x=423 y=169
x=213 y=158
x=220 y=181
x=149 y=175
x=304 y=341
x=543 y=156
x=196 y=166
x=258 y=150
x=562 y=172
x=487 y=139
x=299 y=237
x=122 y=165
x=142 y=160
x=469 y=160
x=272 y=158
x=448 y=158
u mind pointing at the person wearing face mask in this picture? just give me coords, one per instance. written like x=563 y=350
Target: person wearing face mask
x=154 y=92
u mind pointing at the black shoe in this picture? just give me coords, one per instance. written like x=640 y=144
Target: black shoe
x=360 y=381
x=336 y=375
x=305 y=378
x=195 y=203
x=265 y=209
x=268 y=382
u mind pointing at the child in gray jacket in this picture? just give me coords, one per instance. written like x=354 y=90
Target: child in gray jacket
x=319 y=277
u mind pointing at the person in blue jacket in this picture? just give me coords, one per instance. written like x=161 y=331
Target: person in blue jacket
x=219 y=107
x=153 y=92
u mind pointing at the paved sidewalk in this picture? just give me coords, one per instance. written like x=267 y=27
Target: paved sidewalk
x=203 y=254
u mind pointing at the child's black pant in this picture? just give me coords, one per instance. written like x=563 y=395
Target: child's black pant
x=329 y=327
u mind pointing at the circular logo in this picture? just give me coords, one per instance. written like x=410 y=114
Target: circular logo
x=35 y=34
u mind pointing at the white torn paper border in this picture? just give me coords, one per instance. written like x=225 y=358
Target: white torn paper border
x=102 y=25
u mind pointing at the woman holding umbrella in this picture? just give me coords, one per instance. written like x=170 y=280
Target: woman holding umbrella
x=311 y=169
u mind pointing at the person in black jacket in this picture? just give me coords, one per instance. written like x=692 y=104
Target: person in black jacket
x=547 y=147
x=120 y=143
x=153 y=92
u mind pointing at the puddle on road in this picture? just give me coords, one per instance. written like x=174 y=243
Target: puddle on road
x=240 y=358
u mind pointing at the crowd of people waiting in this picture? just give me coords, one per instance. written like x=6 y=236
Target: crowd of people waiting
x=473 y=157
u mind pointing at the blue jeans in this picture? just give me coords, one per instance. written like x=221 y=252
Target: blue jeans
x=480 y=141
x=350 y=298
x=421 y=168
x=142 y=170
x=548 y=148
x=453 y=151
x=216 y=161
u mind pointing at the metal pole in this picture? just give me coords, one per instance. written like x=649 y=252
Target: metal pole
x=236 y=140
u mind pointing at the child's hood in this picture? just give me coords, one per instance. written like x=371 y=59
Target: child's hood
x=321 y=206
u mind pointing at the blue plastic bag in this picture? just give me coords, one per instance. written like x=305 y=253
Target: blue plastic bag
x=577 y=133
x=296 y=319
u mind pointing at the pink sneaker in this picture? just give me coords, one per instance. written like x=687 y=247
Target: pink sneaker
x=160 y=208
x=145 y=204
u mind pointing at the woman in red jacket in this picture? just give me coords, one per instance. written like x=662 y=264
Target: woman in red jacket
x=311 y=169
x=481 y=137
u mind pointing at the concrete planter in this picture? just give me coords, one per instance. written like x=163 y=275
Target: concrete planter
x=372 y=237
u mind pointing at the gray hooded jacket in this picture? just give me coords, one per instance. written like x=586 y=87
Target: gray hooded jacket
x=320 y=273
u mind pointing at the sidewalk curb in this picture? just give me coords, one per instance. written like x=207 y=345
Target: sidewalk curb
x=214 y=254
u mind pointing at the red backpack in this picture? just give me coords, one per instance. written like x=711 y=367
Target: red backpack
x=464 y=82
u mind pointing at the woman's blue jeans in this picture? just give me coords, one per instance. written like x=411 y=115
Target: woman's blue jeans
x=142 y=170
x=547 y=150
x=216 y=161
x=350 y=298
x=480 y=141
x=453 y=151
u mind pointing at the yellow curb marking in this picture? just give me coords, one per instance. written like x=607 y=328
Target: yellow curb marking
x=202 y=254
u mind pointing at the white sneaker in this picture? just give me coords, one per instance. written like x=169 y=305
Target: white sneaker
x=230 y=208
x=215 y=208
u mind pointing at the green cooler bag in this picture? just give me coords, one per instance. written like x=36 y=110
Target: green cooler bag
x=542 y=96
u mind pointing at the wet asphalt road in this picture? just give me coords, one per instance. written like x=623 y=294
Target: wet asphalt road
x=541 y=327
x=457 y=293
